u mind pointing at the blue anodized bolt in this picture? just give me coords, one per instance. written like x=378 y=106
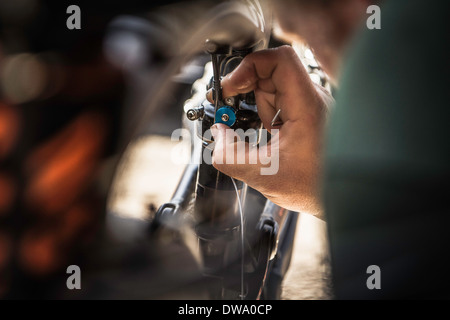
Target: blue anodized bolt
x=226 y=116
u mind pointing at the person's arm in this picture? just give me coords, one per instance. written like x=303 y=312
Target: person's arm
x=280 y=82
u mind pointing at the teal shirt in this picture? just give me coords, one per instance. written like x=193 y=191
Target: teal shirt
x=387 y=160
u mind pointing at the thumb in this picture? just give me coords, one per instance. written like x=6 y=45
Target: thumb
x=233 y=156
x=225 y=139
x=219 y=132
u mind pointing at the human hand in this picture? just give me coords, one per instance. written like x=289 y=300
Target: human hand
x=279 y=81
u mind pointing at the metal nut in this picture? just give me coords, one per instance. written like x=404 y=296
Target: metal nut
x=194 y=114
x=225 y=117
x=191 y=114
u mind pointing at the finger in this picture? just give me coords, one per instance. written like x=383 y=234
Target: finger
x=266 y=107
x=231 y=155
x=237 y=158
x=260 y=65
x=266 y=85
x=274 y=71
x=225 y=140
x=223 y=134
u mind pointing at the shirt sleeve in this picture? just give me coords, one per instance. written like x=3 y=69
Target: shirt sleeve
x=387 y=159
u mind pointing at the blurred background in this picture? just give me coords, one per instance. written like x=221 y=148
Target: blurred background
x=86 y=149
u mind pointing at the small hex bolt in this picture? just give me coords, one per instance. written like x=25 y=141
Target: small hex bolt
x=225 y=117
x=229 y=101
x=194 y=114
x=191 y=114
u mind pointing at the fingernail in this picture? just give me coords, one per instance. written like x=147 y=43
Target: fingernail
x=214 y=130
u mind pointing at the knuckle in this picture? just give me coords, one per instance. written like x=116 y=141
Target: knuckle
x=285 y=47
x=286 y=50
